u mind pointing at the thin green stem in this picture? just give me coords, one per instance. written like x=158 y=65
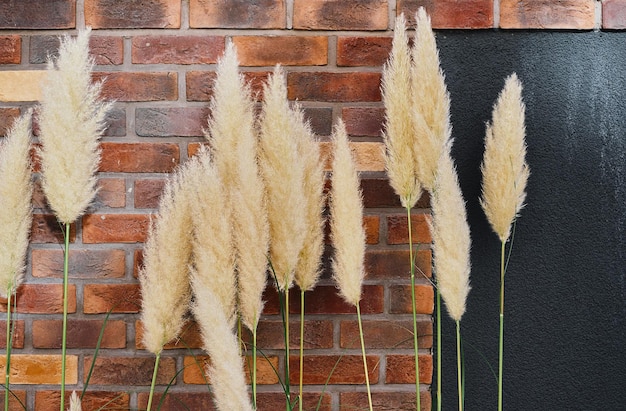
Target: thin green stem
x=501 y=339
x=154 y=377
x=367 y=377
x=300 y=399
x=66 y=259
x=438 y=308
x=458 y=364
x=286 y=323
x=254 y=334
x=7 y=376
x=414 y=309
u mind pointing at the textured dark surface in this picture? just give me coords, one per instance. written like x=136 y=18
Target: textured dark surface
x=565 y=327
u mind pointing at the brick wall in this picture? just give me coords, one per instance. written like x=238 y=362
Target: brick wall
x=159 y=61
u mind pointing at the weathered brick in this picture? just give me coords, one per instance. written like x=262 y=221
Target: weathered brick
x=10 y=49
x=132 y=14
x=111 y=193
x=133 y=86
x=177 y=49
x=367 y=155
x=115 y=123
x=175 y=401
x=320 y=119
x=93 y=400
x=398 y=233
x=340 y=14
x=23 y=85
x=18 y=334
x=46 y=229
x=47 y=263
x=363 y=51
x=385 y=401
x=311 y=401
x=189 y=337
x=241 y=14
x=16 y=399
x=451 y=14
x=614 y=14
x=196 y=366
x=386 y=334
x=106 y=50
x=115 y=228
x=130 y=371
x=378 y=193
x=400 y=299
x=401 y=369
x=334 y=87
x=171 y=121
x=317 y=334
x=199 y=84
x=386 y=264
x=137 y=262
x=372 y=228
x=8 y=115
x=139 y=157
x=43 y=299
x=40 y=369
x=148 y=192
x=547 y=14
x=325 y=299
x=115 y=298
x=34 y=14
x=335 y=369
x=284 y=50
x=80 y=333
x=363 y=121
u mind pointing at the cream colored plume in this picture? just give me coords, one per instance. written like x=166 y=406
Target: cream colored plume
x=75 y=404
x=504 y=167
x=431 y=102
x=16 y=191
x=283 y=173
x=399 y=135
x=235 y=149
x=164 y=277
x=71 y=121
x=451 y=238
x=346 y=219
x=226 y=369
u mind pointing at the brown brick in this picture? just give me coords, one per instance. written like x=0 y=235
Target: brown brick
x=111 y=193
x=93 y=400
x=388 y=334
x=614 y=14
x=8 y=115
x=132 y=14
x=367 y=155
x=199 y=84
x=43 y=299
x=189 y=337
x=451 y=14
x=340 y=14
x=177 y=49
x=129 y=86
x=48 y=263
x=401 y=369
x=169 y=122
x=137 y=262
x=115 y=228
x=179 y=401
x=106 y=50
x=348 y=369
x=284 y=50
x=10 y=49
x=547 y=14
x=41 y=369
x=334 y=87
x=363 y=51
x=363 y=121
x=18 y=334
x=80 y=333
x=317 y=334
x=196 y=366
x=397 y=229
x=385 y=401
x=326 y=300
x=386 y=264
x=378 y=193
x=35 y=14
x=115 y=298
x=148 y=192
x=276 y=401
x=372 y=228
x=130 y=370
x=46 y=229
x=15 y=404
x=320 y=119
x=400 y=299
x=238 y=14
x=139 y=157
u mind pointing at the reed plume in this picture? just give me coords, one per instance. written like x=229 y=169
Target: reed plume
x=75 y=403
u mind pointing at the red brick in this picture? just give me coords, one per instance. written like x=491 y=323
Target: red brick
x=614 y=14
x=8 y=115
x=133 y=86
x=325 y=299
x=80 y=333
x=106 y=50
x=363 y=51
x=397 y=229
x=130 y=371
x=137 y=262
x=385 y=401
x=10 y=49
x=46 y=229
x=318 y=334
x=43 y=299
x=15 y=404
x=400 y=299
x=196 y=367
x=148 y=192
x=199 y=84
x=348 y=369
x=238 y=14
x=334 y=87
x=547 y=14
x=170 y=122
x=179 y=401
x=47 y=263
x=401 y=369
x=111 y=193
x=177 y=49
x=93 y=400
x=18 y=333
x=34 y=14
x=139 y=157
x=41 y=369
x=378 y=193
x=276 y=401
x=115 y=298
x=189 y=337
x=390 y=334
x=284 y=50
x=115 y=228
x=132 y=14
x=340 y=14
x=451 y=14
x=372 y=228
x=363 y=121
x=387 y=264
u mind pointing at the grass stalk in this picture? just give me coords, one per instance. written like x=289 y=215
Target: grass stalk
x=7 y=375
x=501 y=339
x=254 y=365
x=414 y=309
x=154 y=377
x=438 y=325
x=458 y=364
x=301 y=374
x=365 y=369
x=66 y=259
x=287 y=383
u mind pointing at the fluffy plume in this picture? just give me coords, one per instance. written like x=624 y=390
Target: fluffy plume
x=346 y=220
x=75 y=404
x=431 y=102
x=16 y=190
x=226 y=369
x=451 y=238
x=165 y=289
x=234 y=141
x=71 y=120
x=283 y=173
x=399 y=135
x=504 y=167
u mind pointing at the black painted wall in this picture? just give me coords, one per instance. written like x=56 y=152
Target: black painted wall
x=565 y=326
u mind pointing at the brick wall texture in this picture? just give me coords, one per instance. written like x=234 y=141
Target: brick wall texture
x=159 y=58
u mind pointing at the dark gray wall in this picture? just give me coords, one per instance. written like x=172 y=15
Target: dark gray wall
x=565 y=327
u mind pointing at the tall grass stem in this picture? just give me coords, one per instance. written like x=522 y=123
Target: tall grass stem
x=157 y=359
x=7 y=367
x=458 y=364
x=365 y=369
x=438 y=325
x=501 y=339
x=66 y=258
x=301 y=374
x=414 y=309
x=287 y=383
x=254 y=362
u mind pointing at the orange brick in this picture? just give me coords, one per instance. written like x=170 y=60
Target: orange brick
x=400 y=299
x=334 y=87
x=372 y=228
x=139 y=157
x=130 y=371
x=129 y=86
x=8 y=115
x=15 y=404
x=18 y=334
x=401 y=369
x=340 y=14
x=348 y=369
x=82 y=263
x=196 y=366
x=383 y=264
x=10 y=49
x=93 y=400
x=241 y=14
x=115 y=228
x=80 y=333
x=450 y=14
x=399 y=401
x=40 y=369
x=284 y=50
x=547 y=14
x=177 y=49
x=363 y=51
x=199 y=84
x=115 y=298
x=111 y=193
x=394 y=334
x=43 y=299
x=367 y=155
x=131 y=14
x=397 y=229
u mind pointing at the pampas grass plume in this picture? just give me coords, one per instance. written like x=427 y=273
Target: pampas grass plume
x=346 y=219
x=504 y=168
x=75 y=404
x=16 y=190
x=71 y=120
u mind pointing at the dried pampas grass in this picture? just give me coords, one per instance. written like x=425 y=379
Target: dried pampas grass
x=75 y=404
